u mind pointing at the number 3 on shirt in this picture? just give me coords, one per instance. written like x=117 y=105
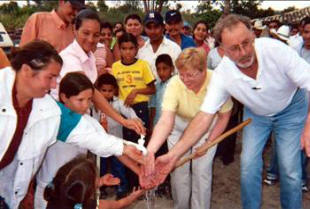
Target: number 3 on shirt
x=128 y=79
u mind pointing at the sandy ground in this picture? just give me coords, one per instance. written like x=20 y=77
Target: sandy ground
x=226 y=188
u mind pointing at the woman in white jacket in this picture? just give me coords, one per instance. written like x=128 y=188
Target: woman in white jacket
x=31 y=120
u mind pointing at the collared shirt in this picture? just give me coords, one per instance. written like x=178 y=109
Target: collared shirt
x=48 y=26
x=186 y=41
x=75 y=59
x=166 y=47
x=157 y=99
x=279 y=74
x=185 y=102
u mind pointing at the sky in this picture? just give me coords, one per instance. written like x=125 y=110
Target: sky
x=276 y=5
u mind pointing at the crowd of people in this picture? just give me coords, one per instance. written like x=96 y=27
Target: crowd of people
x=79 y=87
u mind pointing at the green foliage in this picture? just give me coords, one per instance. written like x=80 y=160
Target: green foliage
x=102 y=7
x=249 y=8
x=9 y=8
x=205 y=11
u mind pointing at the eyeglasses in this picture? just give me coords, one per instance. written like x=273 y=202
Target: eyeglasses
x=189 y=76
x=237 y=48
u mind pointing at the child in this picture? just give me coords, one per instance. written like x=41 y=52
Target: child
x=107 y=85
x=75 y=92
x=74 y=186
x=165 y=68
x=136 y=83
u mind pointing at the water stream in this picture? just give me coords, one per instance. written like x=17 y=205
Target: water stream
x=150 y=198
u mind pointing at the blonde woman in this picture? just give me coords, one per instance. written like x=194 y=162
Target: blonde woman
x=191 y=188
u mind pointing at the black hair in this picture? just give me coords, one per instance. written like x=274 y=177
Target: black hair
x=86 y=14
x=118 y=23
x=73 y=83
x=106 y=79
x=200 y=22
x=128 y=37
x=74 y=183
x=305 y=21
x=275 y=21
x=164 y=58
x=134 y=17
x=37 y=54
x=107 y=25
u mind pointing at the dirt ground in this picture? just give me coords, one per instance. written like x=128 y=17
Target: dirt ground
x=226 y=188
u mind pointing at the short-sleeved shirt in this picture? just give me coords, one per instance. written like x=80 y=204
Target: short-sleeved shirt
x=48 y=26
x=280 y=72
x=186 y=41
x=166 y=47
x=76 y=59
x=185 y=102
x=135 y=76
x=157 y=99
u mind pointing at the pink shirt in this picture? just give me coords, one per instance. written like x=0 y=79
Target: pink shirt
x=48 y=26
x=76 y=59
x=205 y=47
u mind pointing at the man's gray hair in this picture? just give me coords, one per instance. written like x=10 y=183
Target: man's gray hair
x=229 y=21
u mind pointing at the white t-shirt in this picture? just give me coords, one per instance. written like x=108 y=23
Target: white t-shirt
x=280 y=71
x=166 y=47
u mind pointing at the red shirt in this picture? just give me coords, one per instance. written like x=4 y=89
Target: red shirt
x=22 y=119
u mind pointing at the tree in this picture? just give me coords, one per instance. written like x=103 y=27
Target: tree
x=102 y=7
x=154 y=5
x=289 y=9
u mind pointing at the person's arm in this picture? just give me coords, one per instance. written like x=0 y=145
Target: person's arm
x=305 y=138
x=29 y=31
x=110 y=57
x=4 y=61
x=86 y=132
x=122 y=203
x=152 y=116
x=220 y=125
x=116 y=52
x=102 y=104
x=149 y=90
x=165 y=163
x=160 y=134
x=129 y=163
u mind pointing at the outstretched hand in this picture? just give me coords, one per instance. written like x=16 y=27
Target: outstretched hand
x=136 y=125
x=108 y=180
x=134 y=154
x=163 y=166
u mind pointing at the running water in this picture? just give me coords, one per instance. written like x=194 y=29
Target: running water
x=150 y=198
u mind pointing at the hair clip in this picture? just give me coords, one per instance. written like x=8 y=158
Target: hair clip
x=78 y=206
x=37 y=63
